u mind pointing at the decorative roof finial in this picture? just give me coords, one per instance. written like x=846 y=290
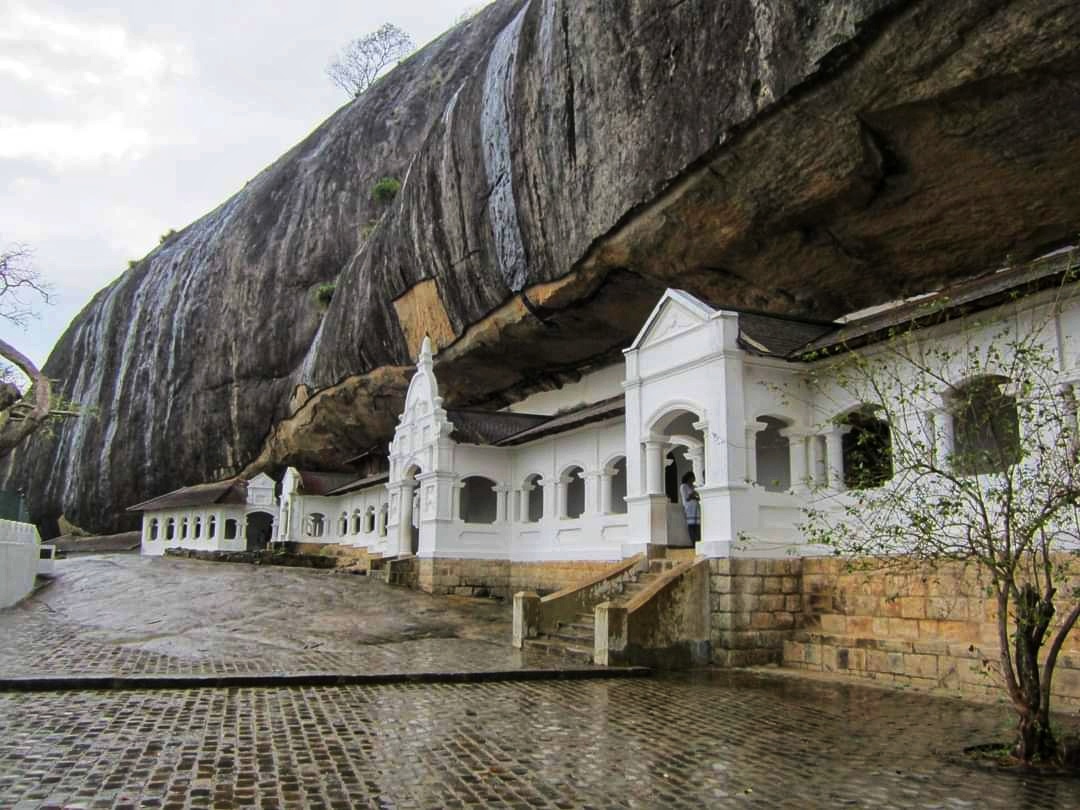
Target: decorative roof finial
x=425 y=353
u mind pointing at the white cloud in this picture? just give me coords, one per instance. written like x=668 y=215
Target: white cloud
x=81 y=90
x=65 y=144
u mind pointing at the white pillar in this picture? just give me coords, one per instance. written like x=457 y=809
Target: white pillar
x=592 y=492
x=944 y=438
x=797 y=450
x=604 y=482
x=501 y=512
x=751 y=451
x=834 y=455
x=551 y=498
x=654 y=467
x=696 y=455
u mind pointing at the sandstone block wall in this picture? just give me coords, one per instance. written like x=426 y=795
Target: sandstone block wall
x=933 y=627
x=502 y=578
x=755 y=607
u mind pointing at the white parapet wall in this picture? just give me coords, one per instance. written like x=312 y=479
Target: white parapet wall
x=19 y=549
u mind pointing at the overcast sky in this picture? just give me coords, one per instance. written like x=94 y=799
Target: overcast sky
x=121 y=120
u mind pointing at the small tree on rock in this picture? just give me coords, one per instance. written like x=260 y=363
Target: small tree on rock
x=985 y=453
x=362 y=61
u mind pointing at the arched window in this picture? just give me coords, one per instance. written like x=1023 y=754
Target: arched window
x=343 y=524
x=867 y=448
x=534 y=499
x=170 y=529
x=573 y=500
x=154 y=529
x=211 y=526
x=197 y=528
x=384 y=517
x=230 y=529
x=369 y=520
x=184 y=529
x=986 y=427
x=357 y=521
x=316 y=525
x=773 y=452
x=479 y=502
x=617 y=486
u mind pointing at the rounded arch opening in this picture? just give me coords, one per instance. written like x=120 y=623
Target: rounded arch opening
x=986 y=426
x=572 y=482
x=772 y=452
x=259 y=530
x=479 y=501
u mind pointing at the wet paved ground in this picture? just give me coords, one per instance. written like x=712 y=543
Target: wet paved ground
x=714 y=740
x=128 y=615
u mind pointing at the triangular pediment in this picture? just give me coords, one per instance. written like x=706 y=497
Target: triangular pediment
x=676 y=312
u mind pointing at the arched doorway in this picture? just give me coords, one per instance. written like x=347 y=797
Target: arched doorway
x=409 y=528
x=679 y=441
x=258 y=530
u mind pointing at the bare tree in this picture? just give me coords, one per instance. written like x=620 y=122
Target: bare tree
x=983 y=454
x=21 y=413
x=361 y=62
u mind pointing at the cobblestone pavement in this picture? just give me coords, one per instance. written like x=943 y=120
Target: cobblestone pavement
x=709 y=739
x=128 y=615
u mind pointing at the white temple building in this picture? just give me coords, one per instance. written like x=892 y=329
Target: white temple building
x=588 y=474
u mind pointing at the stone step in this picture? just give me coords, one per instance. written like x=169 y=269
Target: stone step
x=572 y=637
x=585 y=628
x=562 y=649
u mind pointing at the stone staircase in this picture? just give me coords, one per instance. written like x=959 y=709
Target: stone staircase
x=576 y=639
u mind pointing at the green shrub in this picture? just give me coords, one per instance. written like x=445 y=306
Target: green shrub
x=324 y=294
x=385 y=190
x=165 y=237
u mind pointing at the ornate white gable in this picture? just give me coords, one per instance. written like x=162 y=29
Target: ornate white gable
x=675 y=313
x=423 y=421
x=260 y=490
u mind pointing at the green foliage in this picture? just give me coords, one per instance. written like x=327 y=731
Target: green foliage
x=323 y=294
x=165 y=237
x=385 y=190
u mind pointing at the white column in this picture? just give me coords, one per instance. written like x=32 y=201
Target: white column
x=696 y=455
x=551 y=498
x=654 y=467
x=834 y=457
x=797 y=449
x=592 y=492
x=751 y=451
x=501 y=493
x=944 y=438
x=604 y=482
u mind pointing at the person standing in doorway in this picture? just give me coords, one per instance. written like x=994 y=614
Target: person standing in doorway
x=691 y=504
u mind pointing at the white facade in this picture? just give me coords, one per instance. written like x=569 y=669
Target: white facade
x=355 y=518
x=20 y=546
x=212 y=526
x=698 y=393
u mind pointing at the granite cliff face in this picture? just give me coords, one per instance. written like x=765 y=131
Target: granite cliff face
x=562 y=163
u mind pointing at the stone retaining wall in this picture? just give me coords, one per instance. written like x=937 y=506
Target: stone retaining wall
x=934 y=627
x=755 y=607
x=502 y=578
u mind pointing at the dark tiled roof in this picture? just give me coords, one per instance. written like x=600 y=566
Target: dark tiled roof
x=560 y=423
x=982 y=292
x=361 y=483
x=232 y=490
x=489 y=427
x=323 y=483
x=777 y=336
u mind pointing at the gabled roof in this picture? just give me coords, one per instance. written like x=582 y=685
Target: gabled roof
x=489 y=427
x=979 y=293
x=777 y=335
x=578 y=417
x=361 y=483
x=695 y=308
x=230 y=491
x=313 y=482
